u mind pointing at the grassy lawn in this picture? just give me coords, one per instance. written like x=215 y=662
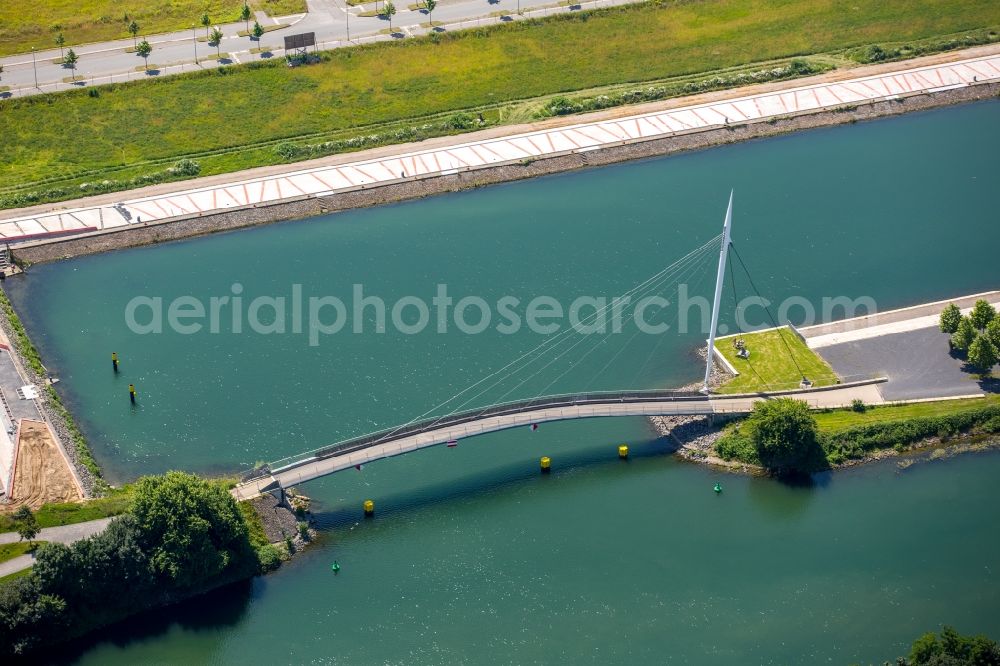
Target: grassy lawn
x=9 y=551
x=86 y=21
x=843 y=419
x=52 y=515
x=235 y=118
x=770 y=367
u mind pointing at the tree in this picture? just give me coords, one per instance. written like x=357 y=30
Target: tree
x=216 y=39
x=61 y=42
x=205 y=21
x=245 y=14
x=982 y=354
x=952 y=649
x=993 y=332
x=784 y=435
x=430 y=5
x=258 y=30
x=144 y=49
x=190 y=529
x=389 y=10
x=982 y=314
x=71 y=59
x=27 y=526
x=951 y=316
x=133 y=29
x=963 y=335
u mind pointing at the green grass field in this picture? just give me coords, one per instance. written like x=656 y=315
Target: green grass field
x=844 y=419
x=86 y=21
x=234 y=118
x=771 y=366
x=9 y=551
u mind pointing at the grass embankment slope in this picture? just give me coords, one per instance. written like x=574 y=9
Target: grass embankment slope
x=771 y=366
x=24 y=25
x=841 y=420
x=9 y=551
x=847 y=435
x=235 y=118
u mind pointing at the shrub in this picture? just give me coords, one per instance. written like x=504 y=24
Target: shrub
x=269 y=557
x=736 y=446
x=858 y=405
x=784 y=435
x=875 y=53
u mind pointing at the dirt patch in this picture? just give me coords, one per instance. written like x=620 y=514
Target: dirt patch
x=41 y=473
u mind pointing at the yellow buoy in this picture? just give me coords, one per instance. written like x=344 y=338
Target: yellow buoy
x=623 y=451
x=369 y=508
x=546 y=464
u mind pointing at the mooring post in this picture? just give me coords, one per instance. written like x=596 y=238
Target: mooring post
x=114 y=361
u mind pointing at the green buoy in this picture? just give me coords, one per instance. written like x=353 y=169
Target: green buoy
x=335 y=567
x=718 y=488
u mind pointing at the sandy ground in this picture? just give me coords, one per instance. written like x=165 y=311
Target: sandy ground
x=41 y=473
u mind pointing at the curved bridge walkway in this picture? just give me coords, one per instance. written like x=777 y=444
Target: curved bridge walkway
x=432 y=432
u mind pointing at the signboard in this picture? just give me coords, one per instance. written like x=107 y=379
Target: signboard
x=300 y=41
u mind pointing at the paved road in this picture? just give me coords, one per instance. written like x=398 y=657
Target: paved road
x=333 y=21
x=60 y=534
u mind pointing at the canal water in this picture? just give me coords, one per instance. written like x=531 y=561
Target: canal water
x=474 y=557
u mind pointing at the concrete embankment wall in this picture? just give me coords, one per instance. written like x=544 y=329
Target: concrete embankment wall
x=234 y=218
x=896 y=316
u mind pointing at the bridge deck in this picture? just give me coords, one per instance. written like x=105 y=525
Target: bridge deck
x=365 y=450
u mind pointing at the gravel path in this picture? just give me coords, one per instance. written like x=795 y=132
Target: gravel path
x=61 y=534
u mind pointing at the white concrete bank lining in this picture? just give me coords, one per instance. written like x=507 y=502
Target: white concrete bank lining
x=890 y=322
x=329 y=180
x=292 y=475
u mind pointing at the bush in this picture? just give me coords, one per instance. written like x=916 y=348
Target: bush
x=858 y=405
x=952 y=649
x=784 y=434
x=269 y=557
x=992 y=425
x=561 y=106
x=855 y=443
x=875 y=53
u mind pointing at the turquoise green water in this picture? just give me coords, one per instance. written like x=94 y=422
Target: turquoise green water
x=475 y=558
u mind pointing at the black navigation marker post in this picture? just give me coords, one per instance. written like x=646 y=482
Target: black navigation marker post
x=131 y=393
x=114 y=361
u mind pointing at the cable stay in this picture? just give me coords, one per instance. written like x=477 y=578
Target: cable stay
x=805 y=380
x=553 y=347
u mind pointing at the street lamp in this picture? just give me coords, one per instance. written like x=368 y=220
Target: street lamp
x=194 y=40
x=33 y=67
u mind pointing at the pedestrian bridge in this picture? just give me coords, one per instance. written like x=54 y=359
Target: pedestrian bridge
x=525 y=413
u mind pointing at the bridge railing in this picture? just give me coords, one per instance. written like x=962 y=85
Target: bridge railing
x=515 y=407
x=502 y=409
